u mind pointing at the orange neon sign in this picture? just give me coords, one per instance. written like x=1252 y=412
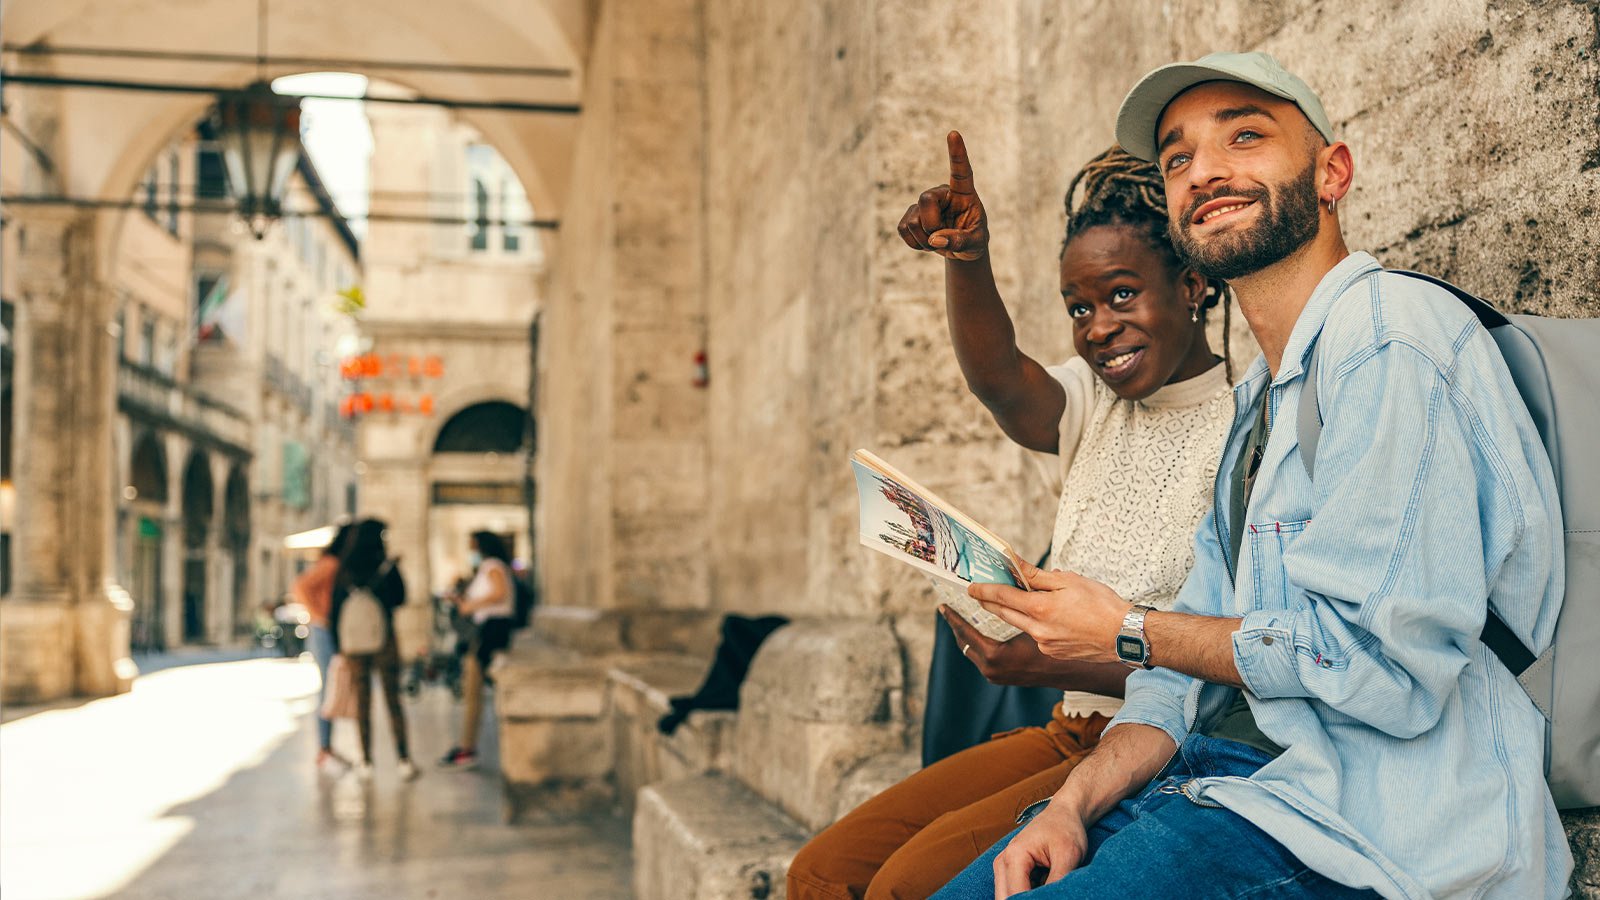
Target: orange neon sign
x=390 y=365
x=365 y=402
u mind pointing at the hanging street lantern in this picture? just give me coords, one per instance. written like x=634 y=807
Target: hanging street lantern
x=259 y=132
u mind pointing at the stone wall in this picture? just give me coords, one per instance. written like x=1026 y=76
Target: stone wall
x=740 y=170
x=754 y=196
x=622 y=517
x=1475 y=125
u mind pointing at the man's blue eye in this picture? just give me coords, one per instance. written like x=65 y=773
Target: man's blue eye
x=1246 y=135
x=1176 y=160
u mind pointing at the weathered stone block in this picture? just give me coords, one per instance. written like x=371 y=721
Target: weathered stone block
x=708 y=838
x=554 y=740
x=873 y=777
x=820 y=697
x=688 y=631
x=36 y=641
x=542 y=753
x=819 y=671
x=542 y=683
x=1583 y=834
x=577 y=628
x=641 y=690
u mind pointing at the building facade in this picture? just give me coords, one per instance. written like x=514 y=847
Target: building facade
x=228 y=435
x=272 y=324
x=182 y=458
x=443 y=380
x=70 y=162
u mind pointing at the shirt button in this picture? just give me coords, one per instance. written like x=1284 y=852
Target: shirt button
x=1266 y=640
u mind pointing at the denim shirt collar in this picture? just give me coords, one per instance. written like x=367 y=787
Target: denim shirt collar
x=1306 y=328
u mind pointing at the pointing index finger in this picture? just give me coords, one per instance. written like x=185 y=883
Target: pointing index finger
x=960 y=165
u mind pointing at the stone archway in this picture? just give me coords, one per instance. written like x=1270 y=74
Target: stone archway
x=93 y=147
x=478 y=480
x=236 y=540
x=199 y=505
x=147 y=493
x=493 y=426
x=147 y=470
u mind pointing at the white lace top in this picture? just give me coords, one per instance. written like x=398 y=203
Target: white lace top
x=1135 y=478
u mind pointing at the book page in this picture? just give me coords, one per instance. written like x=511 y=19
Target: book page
x=988 y=624
x=899 y=522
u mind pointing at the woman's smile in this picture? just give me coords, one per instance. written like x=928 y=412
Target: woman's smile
x=1119 y=364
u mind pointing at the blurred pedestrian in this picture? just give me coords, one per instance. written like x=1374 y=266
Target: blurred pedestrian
x=314 y=590
x=366 y=593
x=490 y=602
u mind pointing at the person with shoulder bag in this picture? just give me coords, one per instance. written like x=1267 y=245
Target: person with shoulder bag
x=490 y=602
x=365 y=595
x=313 y=589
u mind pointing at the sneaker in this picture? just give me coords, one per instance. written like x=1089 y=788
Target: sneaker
x=408 y=770
x=331 y=765
x=458 y=758
x=364 y=771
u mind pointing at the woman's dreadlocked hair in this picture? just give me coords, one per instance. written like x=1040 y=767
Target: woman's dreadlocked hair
x=1121 y=189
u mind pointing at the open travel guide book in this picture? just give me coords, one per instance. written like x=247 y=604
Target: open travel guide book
x=902 y=519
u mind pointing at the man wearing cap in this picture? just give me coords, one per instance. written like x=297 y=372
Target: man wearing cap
x=1318 y=716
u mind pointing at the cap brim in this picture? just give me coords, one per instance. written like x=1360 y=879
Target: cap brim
x=1141 y=109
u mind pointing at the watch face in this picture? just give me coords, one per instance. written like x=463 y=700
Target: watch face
x=1130 y=648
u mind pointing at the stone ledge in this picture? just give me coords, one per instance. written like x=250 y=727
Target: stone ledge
x=821 y=697
x=555 y=743
x=657 y=678
x=602 y=632
x=873 y=777
x=640 y=693
x=579 y=629
x=850 y=672
x=539 y=681
x=708 y=837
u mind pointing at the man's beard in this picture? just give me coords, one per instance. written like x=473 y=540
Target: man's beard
x=1290 y=218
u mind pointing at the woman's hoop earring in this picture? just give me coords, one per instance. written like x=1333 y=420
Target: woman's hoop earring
x=1332 y=202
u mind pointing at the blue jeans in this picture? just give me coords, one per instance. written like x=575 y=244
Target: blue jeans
x=321 y=642
x=1159 y=843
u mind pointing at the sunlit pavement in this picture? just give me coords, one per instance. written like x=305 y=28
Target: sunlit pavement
x=200 y=783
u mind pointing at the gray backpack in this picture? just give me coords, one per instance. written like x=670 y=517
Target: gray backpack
x=1556 y=366
x=363 y=628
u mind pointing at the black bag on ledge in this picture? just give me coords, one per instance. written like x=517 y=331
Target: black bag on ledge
x=741 y=637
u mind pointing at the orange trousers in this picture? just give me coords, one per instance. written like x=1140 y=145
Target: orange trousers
x=910 y=840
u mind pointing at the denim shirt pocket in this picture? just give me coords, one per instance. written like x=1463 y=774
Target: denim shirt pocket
x=1268 y=542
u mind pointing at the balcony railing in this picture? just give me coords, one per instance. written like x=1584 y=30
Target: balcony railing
x=282 y=379
x=154 y=394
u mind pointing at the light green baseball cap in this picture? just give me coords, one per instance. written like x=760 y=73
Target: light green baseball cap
x=1142 y=108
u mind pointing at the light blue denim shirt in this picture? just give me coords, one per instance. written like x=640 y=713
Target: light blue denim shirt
x=1414 y=763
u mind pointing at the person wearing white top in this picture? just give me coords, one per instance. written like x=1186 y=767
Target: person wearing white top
x=1130 y=432
x=490 y=601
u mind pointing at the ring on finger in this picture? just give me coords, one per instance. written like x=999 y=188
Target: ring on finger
x=965 y=648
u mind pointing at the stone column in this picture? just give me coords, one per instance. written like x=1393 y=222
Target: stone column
x=623 y=463
x=65 y=630
x=172 y=550
x=220 y=601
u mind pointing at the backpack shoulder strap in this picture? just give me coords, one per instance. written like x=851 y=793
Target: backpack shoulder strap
x=1500 y=638
x=1309 y=418
x=1310 y=412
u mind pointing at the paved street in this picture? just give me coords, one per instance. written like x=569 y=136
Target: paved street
x=200 y=784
